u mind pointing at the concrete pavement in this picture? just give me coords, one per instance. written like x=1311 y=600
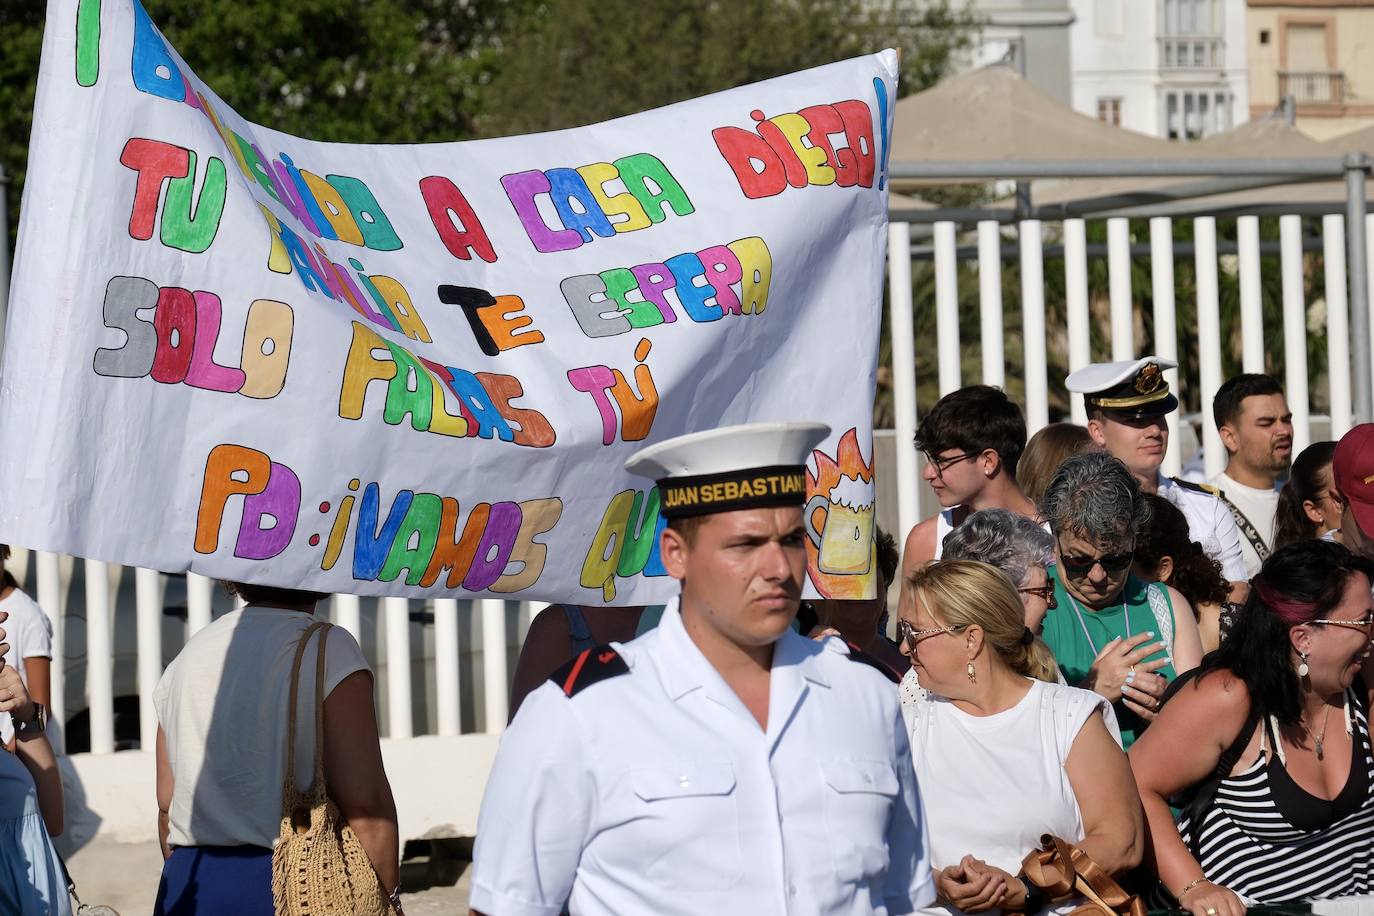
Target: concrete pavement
x=125 y=876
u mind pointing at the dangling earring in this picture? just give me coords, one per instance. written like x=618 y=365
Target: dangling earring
x=1302 y=668
x=972 y=673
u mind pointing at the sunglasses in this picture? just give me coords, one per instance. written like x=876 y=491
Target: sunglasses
x=1080 y=566
x=1044 y=592
x=909 y=635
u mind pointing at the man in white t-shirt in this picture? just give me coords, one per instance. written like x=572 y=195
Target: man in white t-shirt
x=30 y=643
x=1256 y=427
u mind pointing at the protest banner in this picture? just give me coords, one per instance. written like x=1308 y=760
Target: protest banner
x=417 y=370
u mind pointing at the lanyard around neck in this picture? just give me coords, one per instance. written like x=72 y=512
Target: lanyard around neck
x=1077 y=612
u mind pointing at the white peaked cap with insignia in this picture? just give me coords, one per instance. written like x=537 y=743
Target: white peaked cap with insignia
x=1133 y=387
x=735 y=467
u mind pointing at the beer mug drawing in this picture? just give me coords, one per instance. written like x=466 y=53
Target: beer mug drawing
x=845 y=540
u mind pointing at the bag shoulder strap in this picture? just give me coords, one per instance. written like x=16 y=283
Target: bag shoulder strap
x=1246 y=526
x=289 y=788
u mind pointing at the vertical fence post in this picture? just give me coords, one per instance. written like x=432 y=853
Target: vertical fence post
x=1076 y=302
x=990 y=302
x=50 y=598
x=1119 y=285
x=199 y=591
x=446 y=656
x=1166 y=326
x=400 y=723
x=1208 y=338
x=1357 y=263
x=1033 y=325
x=947 y=308
x=494 y=682
x=1337 y=324
x=348 y=613
x=148 y=600
x=903 y=336
x=1251 y=301
x=99 y=657
x=1294 y=329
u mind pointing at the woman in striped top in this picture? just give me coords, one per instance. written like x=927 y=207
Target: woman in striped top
x=1285 y=703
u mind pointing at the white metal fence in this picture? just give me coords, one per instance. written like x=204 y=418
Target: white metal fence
x=443 y=665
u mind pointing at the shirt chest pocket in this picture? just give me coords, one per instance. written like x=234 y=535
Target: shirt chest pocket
x=859 y=795
x=685 y=824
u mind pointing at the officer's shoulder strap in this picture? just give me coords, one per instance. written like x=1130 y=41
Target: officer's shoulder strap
x=1196 y=487
x=588 y=667
x=859 y=655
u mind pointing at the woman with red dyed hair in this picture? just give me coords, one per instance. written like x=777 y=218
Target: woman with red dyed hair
x=1267 y=748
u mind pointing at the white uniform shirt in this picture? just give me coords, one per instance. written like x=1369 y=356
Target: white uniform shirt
x=656 y=792
x=1210 y=524
x=1259 y=507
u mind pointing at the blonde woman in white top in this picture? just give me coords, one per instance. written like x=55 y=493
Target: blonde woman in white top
x=1004 y=754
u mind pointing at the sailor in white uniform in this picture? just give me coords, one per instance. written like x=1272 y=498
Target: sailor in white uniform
x=1127 y=404
x=721 y=763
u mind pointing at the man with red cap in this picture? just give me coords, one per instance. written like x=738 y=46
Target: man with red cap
x=1352 y=471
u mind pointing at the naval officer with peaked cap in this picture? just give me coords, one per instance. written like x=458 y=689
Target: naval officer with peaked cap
x=722 y=763
x=1127 y=404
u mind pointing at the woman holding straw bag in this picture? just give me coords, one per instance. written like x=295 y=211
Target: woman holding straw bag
x=238 y=769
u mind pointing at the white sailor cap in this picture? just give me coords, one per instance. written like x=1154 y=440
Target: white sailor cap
x=735 y=467
x=1134 y=388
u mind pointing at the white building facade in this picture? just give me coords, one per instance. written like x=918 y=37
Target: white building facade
x=1169 y=68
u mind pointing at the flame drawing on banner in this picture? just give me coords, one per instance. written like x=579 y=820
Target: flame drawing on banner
x=841 y=558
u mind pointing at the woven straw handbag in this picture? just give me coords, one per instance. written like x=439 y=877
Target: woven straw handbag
x=319 y=867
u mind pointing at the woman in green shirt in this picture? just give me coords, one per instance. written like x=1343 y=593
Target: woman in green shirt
x=1111 y=632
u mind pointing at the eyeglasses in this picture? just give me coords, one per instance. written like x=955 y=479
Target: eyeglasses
x=1044 y=592
x=944 y=463
x=1364 y=623
x=1081 y=566
x=910 y=635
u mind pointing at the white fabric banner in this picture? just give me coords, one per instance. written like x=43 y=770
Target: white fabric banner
x=418 y=370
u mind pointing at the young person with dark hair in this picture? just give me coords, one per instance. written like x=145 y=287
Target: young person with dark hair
x=1273 y=732
x=1309 y=504
x=972 y=439
x=1166 y=553
x=1128 y=403
x=1256 y=427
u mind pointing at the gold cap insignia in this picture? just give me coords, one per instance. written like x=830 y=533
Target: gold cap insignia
x=1150 y=379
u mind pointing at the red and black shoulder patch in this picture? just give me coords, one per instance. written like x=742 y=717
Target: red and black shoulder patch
x=859 y=655
x=589 y=667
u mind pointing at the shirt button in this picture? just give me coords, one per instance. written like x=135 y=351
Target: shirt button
x=684 y=781
x=868 y=778
x=792 y=890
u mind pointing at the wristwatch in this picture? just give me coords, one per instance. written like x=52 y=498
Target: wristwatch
x=35 y=726
x=1035 y=896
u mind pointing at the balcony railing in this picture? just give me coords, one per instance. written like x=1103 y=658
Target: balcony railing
x=1313 y=87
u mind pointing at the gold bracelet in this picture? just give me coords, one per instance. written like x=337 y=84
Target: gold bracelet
x=1189 y=886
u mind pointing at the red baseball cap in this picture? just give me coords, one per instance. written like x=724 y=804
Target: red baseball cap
x=1352 y=471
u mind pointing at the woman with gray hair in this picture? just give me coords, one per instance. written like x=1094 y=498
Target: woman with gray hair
x=1111 y=632
x=1018 y=547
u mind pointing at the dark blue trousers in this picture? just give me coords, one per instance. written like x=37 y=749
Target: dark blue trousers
x=216 y=881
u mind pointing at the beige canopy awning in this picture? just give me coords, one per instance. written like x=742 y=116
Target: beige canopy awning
x=993 y=114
